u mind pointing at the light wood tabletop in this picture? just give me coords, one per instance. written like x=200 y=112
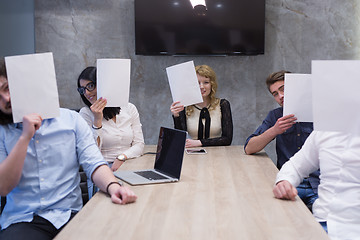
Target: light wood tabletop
x=224 y=194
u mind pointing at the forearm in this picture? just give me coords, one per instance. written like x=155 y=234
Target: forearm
x=180 y=121
x=289 y=173
x=258 y=143
x=220 y=141
x=102 y=176
x=136 y=150
x=11 y=167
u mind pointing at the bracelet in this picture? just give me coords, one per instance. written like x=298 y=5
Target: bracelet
x=107 y=188
x=96 y=128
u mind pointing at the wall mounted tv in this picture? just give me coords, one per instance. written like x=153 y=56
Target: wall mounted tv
x=222 y=27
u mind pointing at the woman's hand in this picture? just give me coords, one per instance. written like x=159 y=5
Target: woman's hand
x=175 y=109
x=192 y=143
x=116 y=164
x=97 y=109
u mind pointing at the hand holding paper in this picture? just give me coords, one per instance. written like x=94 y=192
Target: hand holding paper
x=113 y=81
x=298 y=96
x=184 y=84
x=284 y=123
x=32 y=85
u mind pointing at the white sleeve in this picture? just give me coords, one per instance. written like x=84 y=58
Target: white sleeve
x=137 y=145
x=304 y=162
x=86 y=113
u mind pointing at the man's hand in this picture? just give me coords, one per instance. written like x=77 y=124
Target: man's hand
x=285 y=190
x=121 y=194
x=175 y=108
x=192 y=143
x=31 y=123
x=284 y=123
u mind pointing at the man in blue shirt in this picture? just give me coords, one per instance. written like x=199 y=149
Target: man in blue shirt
x=290 y=136
x=39 y=170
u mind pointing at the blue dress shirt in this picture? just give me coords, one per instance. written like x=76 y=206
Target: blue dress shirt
x=49 y=184
x=289 y=142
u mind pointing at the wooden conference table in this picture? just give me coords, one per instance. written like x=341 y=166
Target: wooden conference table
x=223 y=194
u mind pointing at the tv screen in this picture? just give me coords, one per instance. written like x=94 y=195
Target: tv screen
x=216 y=27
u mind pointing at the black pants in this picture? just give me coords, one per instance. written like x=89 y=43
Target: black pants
x=38 y=229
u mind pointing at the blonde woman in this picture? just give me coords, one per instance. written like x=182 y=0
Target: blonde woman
x=208 y=123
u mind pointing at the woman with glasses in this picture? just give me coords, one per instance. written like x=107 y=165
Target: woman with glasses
x=208 y=123
x=117 y=131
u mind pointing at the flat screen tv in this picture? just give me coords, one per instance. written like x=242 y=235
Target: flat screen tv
x=217 y=27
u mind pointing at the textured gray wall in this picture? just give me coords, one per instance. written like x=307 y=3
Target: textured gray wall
x=297 y=31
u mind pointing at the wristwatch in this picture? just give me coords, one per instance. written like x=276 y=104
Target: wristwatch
x=121 y=157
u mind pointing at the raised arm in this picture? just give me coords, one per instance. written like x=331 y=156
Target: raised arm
x=179 y=116
x=11 y=167
x=257 y=143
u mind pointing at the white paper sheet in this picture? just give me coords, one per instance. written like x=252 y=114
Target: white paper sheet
x=32 y=85
x=113 y=81
x=184 y=85
x=336 y=95
x=298 y=96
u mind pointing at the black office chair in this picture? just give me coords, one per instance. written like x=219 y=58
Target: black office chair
x=3 y=202
x=84 y=186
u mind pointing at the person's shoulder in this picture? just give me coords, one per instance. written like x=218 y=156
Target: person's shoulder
x=328 y=134
x=65 y=112
x=130 y=107
x=85 y=110
x=277 y=110
x=224 y=101
x=86 y=113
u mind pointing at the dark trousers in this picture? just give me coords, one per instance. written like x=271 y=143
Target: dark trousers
x=38 y=229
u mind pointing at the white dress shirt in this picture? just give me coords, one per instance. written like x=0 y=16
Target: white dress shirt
x=338 y=156
x=123 y=137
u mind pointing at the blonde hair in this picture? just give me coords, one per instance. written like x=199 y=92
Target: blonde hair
x=208 y=72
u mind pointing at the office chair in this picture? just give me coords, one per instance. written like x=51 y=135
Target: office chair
x=3 y=201
x=84 y=186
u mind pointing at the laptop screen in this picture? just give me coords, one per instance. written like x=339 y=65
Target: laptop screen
x=170 y=151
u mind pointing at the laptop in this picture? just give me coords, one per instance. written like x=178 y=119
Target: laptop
x=168 y=160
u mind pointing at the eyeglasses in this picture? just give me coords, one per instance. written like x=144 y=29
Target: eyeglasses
x=90 y=87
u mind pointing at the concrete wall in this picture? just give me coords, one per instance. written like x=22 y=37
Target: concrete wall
x=297 y=31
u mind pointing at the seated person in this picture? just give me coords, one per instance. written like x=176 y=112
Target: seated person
x=117 y=131
x=338 y=206
x=208 y=123
x=290 y=136
x=39 y=170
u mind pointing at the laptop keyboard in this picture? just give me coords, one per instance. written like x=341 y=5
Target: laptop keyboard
x=150 y=175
